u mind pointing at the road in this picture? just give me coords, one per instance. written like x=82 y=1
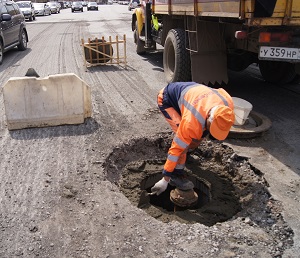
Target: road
x=42 y=167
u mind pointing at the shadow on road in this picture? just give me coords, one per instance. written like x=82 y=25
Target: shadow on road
x=13 y=56
x=156 y=59
x=88 y=127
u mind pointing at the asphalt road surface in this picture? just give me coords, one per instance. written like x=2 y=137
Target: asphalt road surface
x=55 y=199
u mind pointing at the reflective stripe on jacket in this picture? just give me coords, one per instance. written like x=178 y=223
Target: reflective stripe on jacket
x=193 y=102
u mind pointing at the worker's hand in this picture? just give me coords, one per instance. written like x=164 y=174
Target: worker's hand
x=160 y=186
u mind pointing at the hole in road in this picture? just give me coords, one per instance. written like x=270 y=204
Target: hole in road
x=226 y=184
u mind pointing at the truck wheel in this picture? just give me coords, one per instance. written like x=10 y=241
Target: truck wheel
x=140 y=45
x=176 y=59
x=277 y=72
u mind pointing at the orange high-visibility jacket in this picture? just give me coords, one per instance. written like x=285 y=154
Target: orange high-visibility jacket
x=193 y=101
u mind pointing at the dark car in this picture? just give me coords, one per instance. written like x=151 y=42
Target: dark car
x=92 y=6
x=13 y=31
x=77 y=6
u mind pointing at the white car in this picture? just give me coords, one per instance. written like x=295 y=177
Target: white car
x=41 y=9
x=54 y=7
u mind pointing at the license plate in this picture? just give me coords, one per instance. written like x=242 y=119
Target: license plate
x=279 y=53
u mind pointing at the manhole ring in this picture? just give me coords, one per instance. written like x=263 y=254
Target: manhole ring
x=255 y=126
x=201 y=187
x=218 y=200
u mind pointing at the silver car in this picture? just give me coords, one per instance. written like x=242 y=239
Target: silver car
x=54 y=7
x=27 y=9
x=41 y=9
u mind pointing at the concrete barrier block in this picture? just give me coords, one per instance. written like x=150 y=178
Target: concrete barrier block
x=53 y=100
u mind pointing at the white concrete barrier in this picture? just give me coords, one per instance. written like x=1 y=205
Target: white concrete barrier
x=53 y=100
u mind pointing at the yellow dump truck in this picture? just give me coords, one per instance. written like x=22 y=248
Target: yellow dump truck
x=202 y=39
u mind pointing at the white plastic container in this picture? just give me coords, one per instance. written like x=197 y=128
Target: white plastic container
x=242 y=109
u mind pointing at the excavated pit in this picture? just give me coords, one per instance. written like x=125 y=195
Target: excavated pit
x=228 y=186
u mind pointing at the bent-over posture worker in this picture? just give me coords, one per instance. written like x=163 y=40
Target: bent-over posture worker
x=193 y=111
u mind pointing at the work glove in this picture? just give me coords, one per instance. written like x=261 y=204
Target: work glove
x=160 y=186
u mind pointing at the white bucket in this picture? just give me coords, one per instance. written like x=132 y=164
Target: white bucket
x=242 y=109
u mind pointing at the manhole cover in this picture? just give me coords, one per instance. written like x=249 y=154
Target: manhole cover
x=228 y=185
x=255 y=126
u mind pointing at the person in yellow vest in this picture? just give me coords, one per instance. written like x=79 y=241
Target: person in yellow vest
x=193 y=111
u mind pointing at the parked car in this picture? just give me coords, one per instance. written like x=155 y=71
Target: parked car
x=84 y=3
x=27 y=9
x=68 y=4
x=54 y=7
x=41 y=9
x=110 y=1
x=63 y=5
x=92 y=6
x=123 y=2
x=77 y=6
x=13 y=31
x=133 y=4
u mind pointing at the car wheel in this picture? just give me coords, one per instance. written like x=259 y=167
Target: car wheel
x=1 y=52
x=22 y=41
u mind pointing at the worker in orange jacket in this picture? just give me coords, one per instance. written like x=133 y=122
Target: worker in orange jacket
x=193 y=111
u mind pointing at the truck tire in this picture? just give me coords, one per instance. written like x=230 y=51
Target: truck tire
x=277 y=72
x=140 y=45
x=176 y=59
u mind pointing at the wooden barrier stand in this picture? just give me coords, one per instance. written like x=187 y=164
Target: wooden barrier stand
x=101 y=52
